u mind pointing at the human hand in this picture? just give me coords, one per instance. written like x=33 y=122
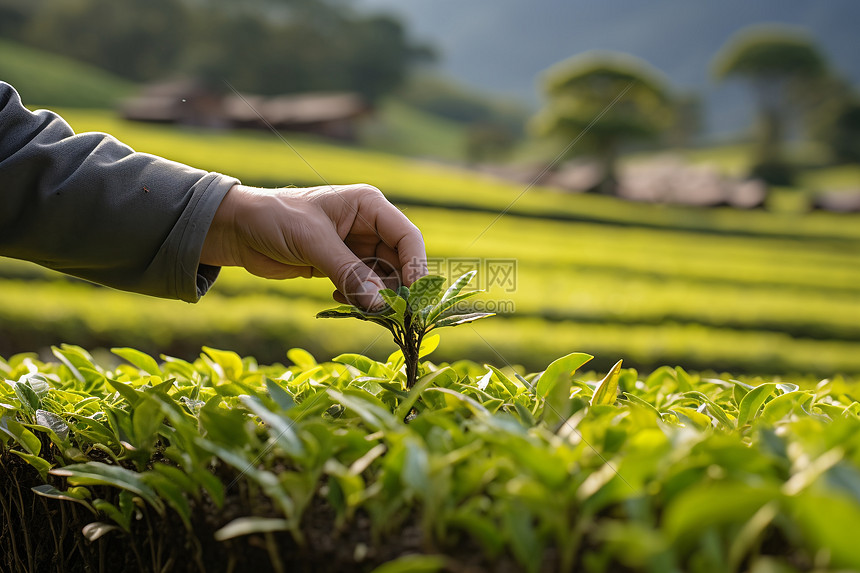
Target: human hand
x=349 y=233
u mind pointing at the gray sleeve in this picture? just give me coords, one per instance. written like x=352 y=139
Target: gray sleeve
x=89 y=206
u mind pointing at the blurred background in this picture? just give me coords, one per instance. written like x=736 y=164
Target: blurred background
x=679 y=181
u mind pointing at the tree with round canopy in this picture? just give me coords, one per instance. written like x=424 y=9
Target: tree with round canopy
x=599 y=101
x=782 y=65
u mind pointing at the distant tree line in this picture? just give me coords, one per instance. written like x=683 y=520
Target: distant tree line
x=261 y=46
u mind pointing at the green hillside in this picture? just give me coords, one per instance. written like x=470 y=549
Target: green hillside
x=403 y=129
x=703 y=288
x=259 y=158
x=49 y=79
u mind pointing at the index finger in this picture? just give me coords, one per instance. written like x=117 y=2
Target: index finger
x=398 y=232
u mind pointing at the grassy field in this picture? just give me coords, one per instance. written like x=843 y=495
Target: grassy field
x=400 y=129
x=752 y=291
x=59 y=81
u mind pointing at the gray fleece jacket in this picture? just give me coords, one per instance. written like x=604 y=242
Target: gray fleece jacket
x=89 y=206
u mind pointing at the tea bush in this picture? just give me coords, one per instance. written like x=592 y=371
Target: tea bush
x=221 y=463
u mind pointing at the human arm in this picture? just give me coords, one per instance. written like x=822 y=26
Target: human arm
x=89 y=206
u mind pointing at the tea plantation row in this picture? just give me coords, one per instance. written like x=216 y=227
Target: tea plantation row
x=756 y=304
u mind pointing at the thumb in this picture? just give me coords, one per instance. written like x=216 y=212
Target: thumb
x=351 y=276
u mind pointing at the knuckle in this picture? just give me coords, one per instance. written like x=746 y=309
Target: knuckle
x=370 y=192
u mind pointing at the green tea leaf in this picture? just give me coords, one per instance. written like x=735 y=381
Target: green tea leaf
x=25 y=438
x=562 y=368
x=229 y=361
x=707 y=504
x=752 y=401
x=57 y=427
x=301 y=358
x=425 y=292
x=50 y=491
x=282 y=429
x=97 y=473
x=374 y=415
x=364 y=365
x=428 y=345
x=146 y=420
x=74 y=359
x=461 y=319
x=139 y=359
x=172 y=493
x=829 y=523
x=130 y=395
x=281 y=397
x=343 y=311
x=396 y=303
x=782 y=405
x=607 y=390
x=689 y=416
x=437 y=377
x=524 y=539
x=178 y=477
x=452 y=294
x=26 y=395
x=113 y=512
x=39 y=464
x=416 y=467
x=555 y=383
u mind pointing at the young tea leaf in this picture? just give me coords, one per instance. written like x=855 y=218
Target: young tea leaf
x=139 y=359
x=20 y=434
x=461 y=319
x=607 y=390
x=752 y=401
x=425 y=292
x=563 y=367
x=343 y=311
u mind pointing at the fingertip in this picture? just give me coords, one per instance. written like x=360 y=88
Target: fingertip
x=370 y=297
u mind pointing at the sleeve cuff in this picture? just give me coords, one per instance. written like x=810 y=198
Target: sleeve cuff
x=190 y=280
x=206 y=275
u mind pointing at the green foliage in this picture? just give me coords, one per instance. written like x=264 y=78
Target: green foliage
x=784 y=68
x=267 y=47
x=761 y=52
x=842 y=132
x=682 y=472
x=602 y=100
x=410 y=313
